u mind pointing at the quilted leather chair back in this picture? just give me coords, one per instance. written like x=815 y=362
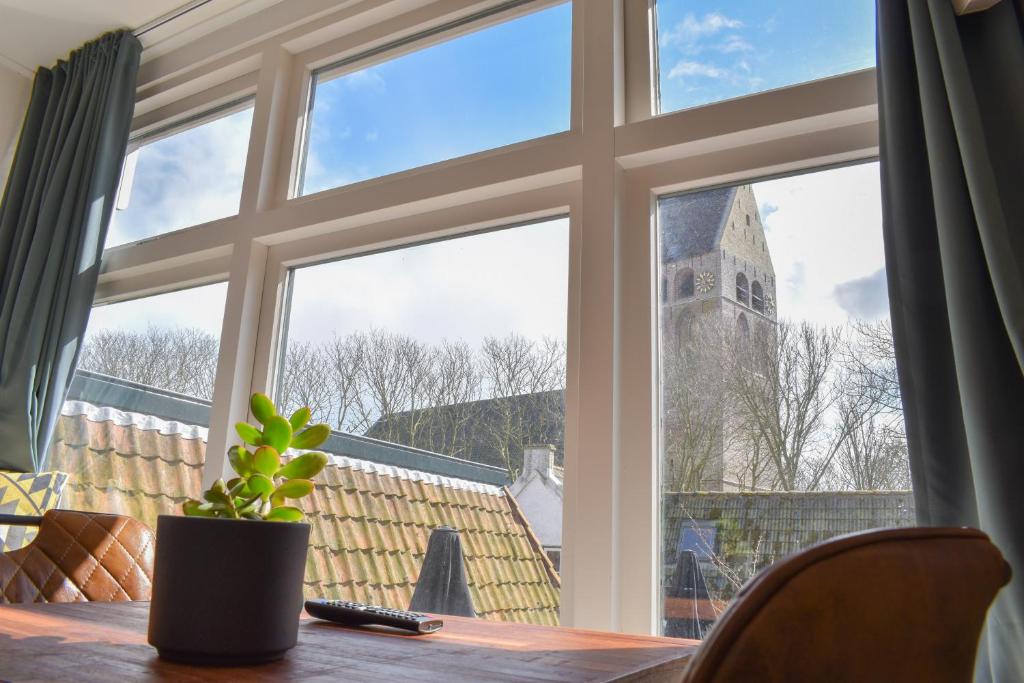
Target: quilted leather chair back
x=81 y=556
x=890 y=605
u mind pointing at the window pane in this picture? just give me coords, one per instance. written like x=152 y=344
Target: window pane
x=132 y=433
x=189 y=177
x=710 y=50
x=781 y=421
x=494 y=87
x=441 y=369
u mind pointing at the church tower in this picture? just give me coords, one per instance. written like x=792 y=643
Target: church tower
x=717 y=287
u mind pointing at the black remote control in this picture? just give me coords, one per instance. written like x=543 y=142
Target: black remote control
x=358 y=614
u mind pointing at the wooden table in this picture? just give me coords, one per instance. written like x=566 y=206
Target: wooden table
x=107 y=642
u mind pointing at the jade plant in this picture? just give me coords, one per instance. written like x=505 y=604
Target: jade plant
x=264 y=483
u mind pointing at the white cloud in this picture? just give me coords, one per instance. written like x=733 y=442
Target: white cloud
x=826 y=231
x=199 y=307
x=691 y=28
x=465 y=288
x=734 y=43
x=687 y=68
x=189 y=178
x=369 y=78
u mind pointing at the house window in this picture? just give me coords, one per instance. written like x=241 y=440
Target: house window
x=444 y=363
x=757 y=296
x=742 y=292
x=493 y=87
x=684 y=283
x=182 y=176
x=769 y=427
x=708 y=51
x=133 y=429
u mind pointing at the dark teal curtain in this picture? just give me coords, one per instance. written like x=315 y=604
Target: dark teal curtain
x=951 y=105
x=53 y=221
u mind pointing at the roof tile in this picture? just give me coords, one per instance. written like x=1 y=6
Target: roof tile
x=369 y=525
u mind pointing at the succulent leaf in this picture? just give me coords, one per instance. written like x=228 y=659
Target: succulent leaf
x=262 y=407
x=241 y=460
x=266 y=460
x=277 y=432
x=193 y=508
x=311 y=437
x=260 y=484
x=285 y=514
x=299 y=418
x=249 y=434
x=305 y=466
x=295 y=488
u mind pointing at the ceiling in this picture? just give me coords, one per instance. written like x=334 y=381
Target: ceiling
x=34 y=32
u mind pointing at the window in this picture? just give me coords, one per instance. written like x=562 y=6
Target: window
x=763 y=441
x=444 y=364
x=709 y=50
x=428 y=82
x=494 y=87
x=742 y=292
x=133 y=430
x=685 y=283
x=179 y=178
x=757 y=296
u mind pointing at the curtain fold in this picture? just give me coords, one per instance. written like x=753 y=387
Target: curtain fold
x=951 y=106
x=53 y=222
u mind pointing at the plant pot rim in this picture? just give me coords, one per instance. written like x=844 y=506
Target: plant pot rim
x=234 y=521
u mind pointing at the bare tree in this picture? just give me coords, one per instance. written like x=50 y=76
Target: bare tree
x=525 y=381
x=305 y=382
x=183 y=360
x=874 y=458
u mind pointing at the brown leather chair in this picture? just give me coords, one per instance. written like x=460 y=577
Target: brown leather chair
x=81 y=556
x=890 y=605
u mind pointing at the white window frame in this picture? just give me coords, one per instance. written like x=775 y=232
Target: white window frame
x=605 y=173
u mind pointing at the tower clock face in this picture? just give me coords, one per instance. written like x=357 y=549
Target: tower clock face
x=705 y=282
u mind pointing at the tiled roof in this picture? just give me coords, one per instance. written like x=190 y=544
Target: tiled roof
x=370 y=522
x=756 y=529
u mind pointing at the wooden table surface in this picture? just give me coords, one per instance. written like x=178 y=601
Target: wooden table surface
x=107 y=642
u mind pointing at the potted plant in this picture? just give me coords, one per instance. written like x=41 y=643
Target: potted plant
x=227 y=585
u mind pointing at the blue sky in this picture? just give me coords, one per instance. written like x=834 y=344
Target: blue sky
x=711 y=50
x=493 y=87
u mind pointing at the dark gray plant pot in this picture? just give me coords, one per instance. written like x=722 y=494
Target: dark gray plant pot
x=226 y=592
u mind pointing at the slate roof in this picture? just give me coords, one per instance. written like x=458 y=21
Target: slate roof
x=370 y=522
x=692 y=223
x=753 y=530
x=538 y=418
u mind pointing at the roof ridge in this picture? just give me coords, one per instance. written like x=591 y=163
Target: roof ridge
x=394 y=471
x=141 y=421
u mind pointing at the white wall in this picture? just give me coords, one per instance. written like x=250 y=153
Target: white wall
x=14 y=92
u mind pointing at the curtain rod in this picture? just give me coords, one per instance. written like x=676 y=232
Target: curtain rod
x=169 y=17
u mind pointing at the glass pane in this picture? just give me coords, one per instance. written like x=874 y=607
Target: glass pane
x=132 y=433
x=189 y=177
x=441 y=369
x=494 y=87
x=781 y=421
x=711 y=50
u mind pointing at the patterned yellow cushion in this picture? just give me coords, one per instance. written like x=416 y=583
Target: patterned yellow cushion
x=26 y=493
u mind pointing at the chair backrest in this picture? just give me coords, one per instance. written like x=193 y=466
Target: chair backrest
x=81 y=556
x=889 y=605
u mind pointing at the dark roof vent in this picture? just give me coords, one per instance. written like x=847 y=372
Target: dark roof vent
x=442 y=587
